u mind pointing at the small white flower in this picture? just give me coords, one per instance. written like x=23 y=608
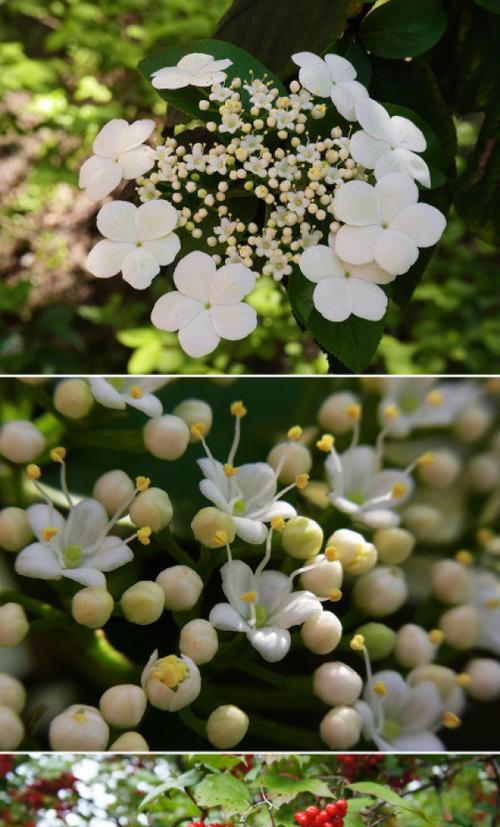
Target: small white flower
x=220 y=93
x=263 y=606
x=196 y=69
x=252 y=142
x=137 y=241
x=277 y=266
x=307 y=153
x=217 y=164
x=207 y=305
x=384 y=223
x=422 y=403
x=172 y=682
x=256 y=166
x=343 y=289
x=388 y=144
x=137 y=392
x=285 y=118
x=196 y=159
x=231 y=122
x=224 y=230
x=119 y=153
x=332 y=77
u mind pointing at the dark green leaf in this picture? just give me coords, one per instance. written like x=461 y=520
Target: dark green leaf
x=283 y=789
x=387 y=795
x=477 y=199
x=402 y=28
x=187 y=779
x=225 y=791
x=491 y=5
x=218 y=762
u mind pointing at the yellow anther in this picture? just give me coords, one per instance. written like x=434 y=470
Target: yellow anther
x=58 y=454
x=398 y=489
x=220 y=538
x=436 y=636
x=331 y=554
x=357 y=643
x=278 y=523
x=391 y=412
x=326 y=443
x=435 y=398
x=198 y=430
x=492 y=603
x=230 y=470
x=136 y=392
x=49 y=533
x=425 y=458
x=484 y=535
x=464 y=557
x=171 y=671
x=464 y=680
x=335 y=595
x=450 y=720
x=80 y=717
x=295 y=433
x=249 y=597
x=142 y=483
x=144 y=535
x=354 y=412
x=301 y=480
x=238 y=409
x=380 y=688
x=33 y=472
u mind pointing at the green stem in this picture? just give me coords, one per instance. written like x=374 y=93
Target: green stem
x=192 y=722
x=176 y=551
x=34 y=606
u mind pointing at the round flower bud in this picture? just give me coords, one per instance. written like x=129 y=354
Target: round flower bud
x=12 y=692
x=213 y=528
x=349 y=545
x=192 y=411
x=92 y=607
x=394 y=545
x=335 y=413
x=321 y=634
x=129 y=742
x=152 y=508
x=15 y=530
x=199 y=641
x=365 y=561
x=472 y=423
x=79 y=728
x=460 y=626
x=14 y=625
x=421 y=520
x=323 y=578
x=484 y=674
x=113 y=489
x=143 y=603
x=381 y=592
x=166 y=437
x=441 y=469
x=379 y=639
x=182 y=587
x=337 y=684
x=483 y=472
x=21 y=441
x=227 y=726
x=302 y=537
x=451 y=581
x=11 y=729
x=123 y=706
x=73 y=398
x=171 y=683
x=413 y=646
x=297 y=460
x=341 y=728
x=442 y=677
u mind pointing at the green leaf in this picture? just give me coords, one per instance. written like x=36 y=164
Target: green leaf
x=282 y=789
x=477 y=199
x=354 y=341
x=218 y=762
x=187 y=779
x=402 y=28
x=490 y=5
x=225 y=791
x=387 y=795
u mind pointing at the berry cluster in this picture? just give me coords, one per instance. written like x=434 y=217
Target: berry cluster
x=201 y=823
x=6 y=764
x=354 y=766
x=332 y=815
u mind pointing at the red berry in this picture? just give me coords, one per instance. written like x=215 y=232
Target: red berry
x=312 y=811
x=331 y=809
x=342 y=806
x=301 y=819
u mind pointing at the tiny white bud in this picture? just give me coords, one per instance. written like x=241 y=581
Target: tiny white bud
x=442 y=677
x=337 y=684
x=11 y=729
x=365 y=561
x=166 y=437
x=123 y=706
x=349 y=545
x=73 y=398
x=204 y=105
x=182 y=587
x=322 y=634
x=483 y=472
x=193 y=411
x=129 y=742
x=198 y=640
x=152 y=508
x=302 y=537
x=296 y=459
x=143 y=603
x=21 y=441
x=421 y=520
x=413 y=646
x=484 y=674
x=15 y=530
x=324 y=578
x=472 y=423
x=12 y=692
x=381 y=592
x=394 y=545
x=460 y=626
x=92 y=607
x=213 y=528
x=79 y=728
x=340 y=729
x=442 y=468
x=14 y=625
x=227 y=726
x=451 y=581
x=113 y=489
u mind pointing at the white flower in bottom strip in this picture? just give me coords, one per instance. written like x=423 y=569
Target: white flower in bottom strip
x=333 y=77
x=344 y=289
x=172 y=682
x=137 y=392
x=137 y=241
x=208 y=304
x=195 y=69
x=119 y=153
x=421 y=402
x=384 y=223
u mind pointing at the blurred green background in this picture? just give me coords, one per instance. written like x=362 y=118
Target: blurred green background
x=67 y=67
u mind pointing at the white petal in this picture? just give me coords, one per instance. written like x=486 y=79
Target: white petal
x=106 y=258
x=231 y=284
x=340 y=68
x=104 y=392
x=227 y=619
x=41 y=517
x=357 y=244
x=422 y=709
x=319 y=262
x=374 y=119
x=279 y=509
x=396 y=192
x=371 y=272
x=379 y=518
x=344 y=96
x=107 y=140
x=85 y=524
x=250 y=531
x=170 y=78
x=296 y=609
x=99 y=176
x=333 y=299
x=422 y=223
x=86 y=576
x=357 y=203
x=195 y=62
x=207 y=78
x=117 y=221
x=210 y=490
x=417 y=742
x=194 y=275
x=139 y=268
x=369 y=300
x=148 y=404
x=136 y=162
x=405 y=134
x=366 y=150
x=237 y=579
x=395 y=252
x=405 y=162
x=257 y=481
x=273 y=587
x=314 y=74
x=199 y=338
x=163 y=249
x=36 y=560
x=233 y=321
x=173 y=311
x=111 y=554
x=271 y=642
x=383 y=483
x=155 y=219
x=135 y=134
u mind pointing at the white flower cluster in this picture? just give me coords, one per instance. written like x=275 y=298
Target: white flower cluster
x=266 y=190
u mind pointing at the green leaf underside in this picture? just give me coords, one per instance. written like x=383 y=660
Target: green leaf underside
x=403 y=28
x=225 y=791
x=282 y=789
x=178 y=783
x=387 y=795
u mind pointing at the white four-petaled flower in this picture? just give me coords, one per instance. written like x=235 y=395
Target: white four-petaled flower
x=196 y=69
x=137 y=241
x=137 y=392
x=119 y=153
x=207 y=305
x=333 y=77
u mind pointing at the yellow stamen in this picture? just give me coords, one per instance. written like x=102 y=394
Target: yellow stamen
x=464 y=680
x=136 y=392
x=380 y=688
x=58 y=454
x=425 y=458
x=80 y=717
x=198 y=430
x=354 y=412
x=492 y=603
x=144 y=535
x=331 y=554
x=301 y=480
x=238 y=409
x=357 y=643
x=49 y=532
x=436 y=636
x=278 y=523
x=294 y=433
x=220 y=538
x=398 y=489
x=464 y=557
x=450 y=720
x=171 y=671
x=326 y=443
x=33 y=472
x=484 y=535
x=335 y=595
x=249 y=597
x=230 y=470
x=142 y=483
x=435 y=398
x=391 y=412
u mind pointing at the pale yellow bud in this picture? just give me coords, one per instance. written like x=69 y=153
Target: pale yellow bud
x=182 y=587
x=381 y=592
x=113 y=489
x=340 y=729
x=123 y=706
x=207 y=524
x=413 y=646
x=12 y=692
x=92 y=607
x=337 y=684
x=441 y=470
x=484 y=675
x=199 y=641
x=73 y=398
x=152 y=508
x=143 y=603
x=166 y=437
x=335 y=414
x=14 y=625
x=194 y=411
x=302 y=538
x=394 y=545
x=15 y=530
x=79 y=728
x=298 y=460
x=451 y=581
x=324 y=578
x=321 y=634
x=422 y=520
x=472 y=423
x=227 y=726
x=129 y=742
x=460 y=626
x=21 y=441
x=11 y=729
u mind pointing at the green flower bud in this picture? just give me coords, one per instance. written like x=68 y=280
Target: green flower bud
x=15 y=530
x=143 y=603
x=213 y=528
x=394 y=545
x=92 y=607
x=73 y=398
x=152 y=508
x=302 y=538
x=379 y=639
x=227 y=726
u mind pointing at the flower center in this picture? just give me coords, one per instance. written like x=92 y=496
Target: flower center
x=171 y=671
x=239 y=508
x=409 y=404
x=261 y=615
x=72 y=556
x=356 y=497
x=391 y=729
